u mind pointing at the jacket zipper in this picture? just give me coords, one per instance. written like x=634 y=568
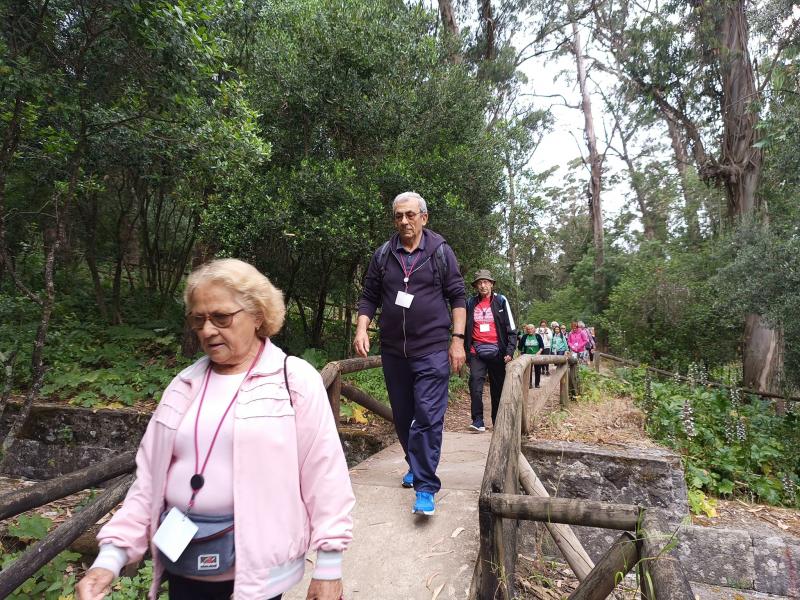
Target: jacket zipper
x=405 y=339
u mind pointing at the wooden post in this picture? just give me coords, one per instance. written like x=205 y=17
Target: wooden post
x=566 y=540
x=497 y=554
x=589 y=513
x=596 y=362
x=527 y=417
x=564 y=389
x=662 y=577
x=43 y=551
x=573 y=378
x=335 y=397
x=610 y=570
x=364 y=399
x=18 y=501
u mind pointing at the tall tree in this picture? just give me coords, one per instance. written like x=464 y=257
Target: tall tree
x=595 y=163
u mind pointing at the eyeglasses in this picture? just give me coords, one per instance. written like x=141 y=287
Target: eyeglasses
x=409 y=214
x=219 y=320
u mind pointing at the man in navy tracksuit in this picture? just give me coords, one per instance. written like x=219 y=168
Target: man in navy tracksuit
x=413 y=278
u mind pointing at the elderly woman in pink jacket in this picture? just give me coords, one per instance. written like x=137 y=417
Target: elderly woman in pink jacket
x=241 y=470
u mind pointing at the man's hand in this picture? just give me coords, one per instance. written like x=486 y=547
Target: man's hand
x=361 y=343
x=508 y=358
x=95 y=584
x=361 y=339
x=325 y=589
x=457 y=355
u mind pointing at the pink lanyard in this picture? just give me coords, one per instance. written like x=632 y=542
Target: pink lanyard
x=197 y=480
x=410 y=270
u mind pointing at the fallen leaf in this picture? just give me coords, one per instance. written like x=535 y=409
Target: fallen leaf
x=456 y=532
x=437 y=592
x=430 y=580
x=432 y=554
x=436 y=543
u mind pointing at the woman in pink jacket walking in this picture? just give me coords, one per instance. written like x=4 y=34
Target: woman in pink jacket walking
x=240 y=471
x=576 y=340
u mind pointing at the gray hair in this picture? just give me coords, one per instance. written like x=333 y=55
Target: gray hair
x=581 y=324
x=423 y=206
x=253 y=291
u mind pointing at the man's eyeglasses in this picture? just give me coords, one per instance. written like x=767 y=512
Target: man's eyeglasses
x=219 y=320
x=409 y=214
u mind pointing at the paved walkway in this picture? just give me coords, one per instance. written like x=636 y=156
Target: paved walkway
x=399 y=556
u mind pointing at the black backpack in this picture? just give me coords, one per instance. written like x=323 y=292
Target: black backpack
x=439 y=264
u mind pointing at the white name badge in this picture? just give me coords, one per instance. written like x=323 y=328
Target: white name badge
x=403 y=299
x=174 y=534
x=483 y=327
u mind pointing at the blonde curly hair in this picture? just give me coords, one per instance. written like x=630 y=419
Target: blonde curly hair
x=252 y=289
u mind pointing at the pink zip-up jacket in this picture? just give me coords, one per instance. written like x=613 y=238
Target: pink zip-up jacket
x=291 y=486
x=576 y=341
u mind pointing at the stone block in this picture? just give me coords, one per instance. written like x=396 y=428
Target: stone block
x=643 y=476
x=777 y=565
x=717 y=556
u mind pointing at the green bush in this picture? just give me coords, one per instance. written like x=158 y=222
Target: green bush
x=731 y=445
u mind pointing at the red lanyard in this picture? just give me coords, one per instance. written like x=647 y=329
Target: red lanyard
x=197 y=480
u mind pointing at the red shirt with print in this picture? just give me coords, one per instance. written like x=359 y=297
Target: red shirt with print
x=484 y=330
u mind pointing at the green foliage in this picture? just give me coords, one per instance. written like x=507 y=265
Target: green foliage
x=138 y=586
x=28 y=528
x=730 y=446
x=54 y=581
x=665 y=310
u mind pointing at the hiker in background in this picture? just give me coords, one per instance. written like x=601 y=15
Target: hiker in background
x=576 y=340
x=531 y=343
x=489 y=343
x=558 y=345
x=547 y=334
x=589 y=340
x=414 y=277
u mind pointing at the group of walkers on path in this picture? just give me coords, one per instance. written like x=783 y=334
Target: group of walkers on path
x=241 y=472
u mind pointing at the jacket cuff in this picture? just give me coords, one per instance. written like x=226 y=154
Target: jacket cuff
x=329 y=565
x=111 y=557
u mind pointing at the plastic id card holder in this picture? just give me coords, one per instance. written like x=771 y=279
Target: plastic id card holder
x=483 y=327
x=404 y=299
x=174 y=534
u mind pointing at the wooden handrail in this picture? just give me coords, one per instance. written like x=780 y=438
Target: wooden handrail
x=19 y=501
x=570 y=511
x=39 y=554
x=665 y=373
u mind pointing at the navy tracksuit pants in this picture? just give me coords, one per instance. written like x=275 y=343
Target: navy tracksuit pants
x=418 y=394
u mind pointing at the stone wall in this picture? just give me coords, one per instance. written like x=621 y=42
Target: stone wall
x=59 y=439
x=746 y=560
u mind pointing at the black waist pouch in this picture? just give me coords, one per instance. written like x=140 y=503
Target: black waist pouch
x=211 y=552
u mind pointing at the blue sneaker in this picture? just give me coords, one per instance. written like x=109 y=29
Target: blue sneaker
x=408 y=480
x=477 y=425
x=424 y=504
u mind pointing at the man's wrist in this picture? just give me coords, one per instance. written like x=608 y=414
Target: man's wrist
x=458 y=335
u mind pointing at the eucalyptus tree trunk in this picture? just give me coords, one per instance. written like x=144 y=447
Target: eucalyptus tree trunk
x=690 y=203
x=489 y=27
x=595 y=162
x=762 y=357
x=511 y=227
x=450 y=24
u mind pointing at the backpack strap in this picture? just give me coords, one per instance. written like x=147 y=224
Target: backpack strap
x=383 y=259
x=286 y=380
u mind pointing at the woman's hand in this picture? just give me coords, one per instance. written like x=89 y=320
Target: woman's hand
x=324 y=589
x=95 y=584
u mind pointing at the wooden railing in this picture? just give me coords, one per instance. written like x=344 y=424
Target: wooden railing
x=601 y=356
x=645 y=540
x=121 y=467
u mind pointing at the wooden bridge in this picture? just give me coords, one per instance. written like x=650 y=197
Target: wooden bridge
x=467 y=550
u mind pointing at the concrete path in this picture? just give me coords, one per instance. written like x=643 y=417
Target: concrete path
x=399 y=556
